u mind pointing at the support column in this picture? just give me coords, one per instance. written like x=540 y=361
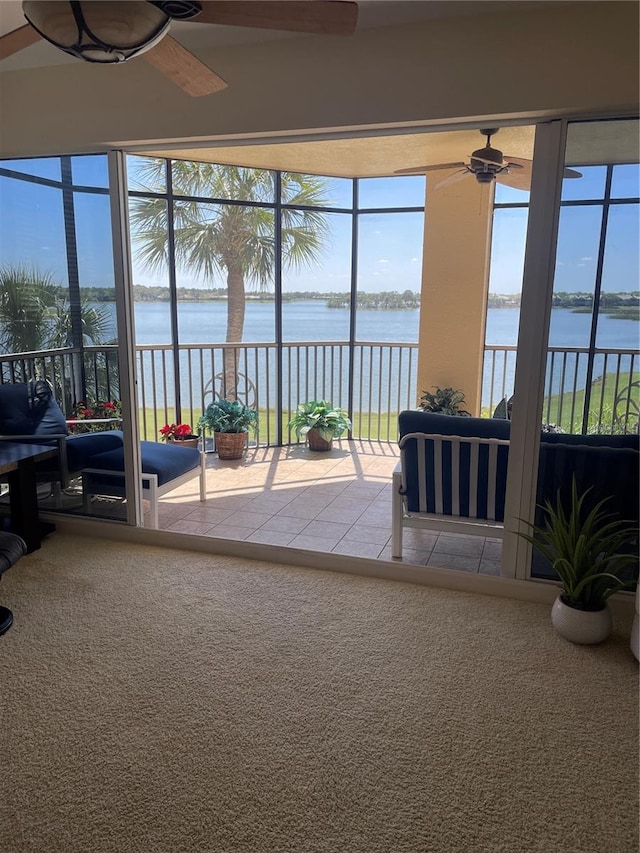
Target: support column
x=455 y=284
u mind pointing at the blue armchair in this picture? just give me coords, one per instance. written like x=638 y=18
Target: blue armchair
x=29 y=412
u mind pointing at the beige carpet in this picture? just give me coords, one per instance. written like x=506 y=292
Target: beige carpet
x=156 y=701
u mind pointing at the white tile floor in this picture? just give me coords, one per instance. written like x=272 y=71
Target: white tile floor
x=338 y=501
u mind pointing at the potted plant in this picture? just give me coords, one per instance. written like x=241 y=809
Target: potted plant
x=446 y=401
x=179 y=434
x=320 y=422
x=229 y=421
x=590 y=556
x=95 y=417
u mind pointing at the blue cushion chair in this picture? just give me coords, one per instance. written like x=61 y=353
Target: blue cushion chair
x=164 y=468
x=452 y=474
x=29 y=412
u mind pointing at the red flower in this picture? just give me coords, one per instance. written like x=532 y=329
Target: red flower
x=110 y=406
x=169 y=431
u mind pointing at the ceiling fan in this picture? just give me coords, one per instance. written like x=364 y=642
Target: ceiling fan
x=488 y=164
x=110 y=31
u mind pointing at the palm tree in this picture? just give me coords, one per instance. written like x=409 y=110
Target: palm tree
x=35 y=314
x=236 y=240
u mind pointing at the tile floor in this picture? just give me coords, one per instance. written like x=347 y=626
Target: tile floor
x=338 y=501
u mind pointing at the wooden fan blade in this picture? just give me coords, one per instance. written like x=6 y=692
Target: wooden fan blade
x=520 y=177
x=182 y=67
x=453 y=179
x=519 y=180
x=420 y=170
x=517 y=175
x=17 y=40
x=325 y=17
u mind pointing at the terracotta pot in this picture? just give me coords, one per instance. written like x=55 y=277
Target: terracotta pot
x=191 y=441
x=580 y=626
x=230 y=445
x=317 y=442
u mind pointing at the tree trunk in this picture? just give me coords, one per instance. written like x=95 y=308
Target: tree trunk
x=235 y=329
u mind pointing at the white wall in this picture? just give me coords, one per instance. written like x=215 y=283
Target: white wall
x=549 y=61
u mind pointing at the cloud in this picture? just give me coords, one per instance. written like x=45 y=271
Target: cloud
x=586 y=259
x=383 y=260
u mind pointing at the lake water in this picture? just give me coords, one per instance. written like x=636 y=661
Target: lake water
x=205 y=323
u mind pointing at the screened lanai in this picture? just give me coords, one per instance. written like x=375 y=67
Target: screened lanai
x=406 y=286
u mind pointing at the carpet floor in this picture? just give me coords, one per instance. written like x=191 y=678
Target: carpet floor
x=163 y=701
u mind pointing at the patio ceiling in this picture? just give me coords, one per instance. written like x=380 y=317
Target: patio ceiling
x=380 y=155
x=362 y=157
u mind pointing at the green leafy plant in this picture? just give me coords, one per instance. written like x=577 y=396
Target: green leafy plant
x=446 y=401
x=330 y=421
x=228 y=416
x=587 y=553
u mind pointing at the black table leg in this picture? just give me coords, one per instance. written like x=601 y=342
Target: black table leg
x=23 y=502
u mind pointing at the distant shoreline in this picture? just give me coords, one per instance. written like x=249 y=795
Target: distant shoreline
x=623 y=305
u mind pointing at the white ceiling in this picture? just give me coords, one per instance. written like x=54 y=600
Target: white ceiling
x=371 y=14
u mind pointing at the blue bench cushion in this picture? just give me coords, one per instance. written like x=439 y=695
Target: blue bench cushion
x=165 y=460
x=83 y=447
x=431 y=422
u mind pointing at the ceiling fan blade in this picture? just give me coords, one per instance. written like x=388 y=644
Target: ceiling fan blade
x=519 y=180
x=182 y=67
x=520 y=177
x=325 y=17
x=420 y=170
x=17 y=40
x=453 y=179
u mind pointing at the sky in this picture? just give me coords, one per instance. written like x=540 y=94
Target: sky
x=390 y=244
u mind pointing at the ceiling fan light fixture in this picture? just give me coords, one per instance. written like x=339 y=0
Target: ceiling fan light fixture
x=485 y=177
x=98 y=32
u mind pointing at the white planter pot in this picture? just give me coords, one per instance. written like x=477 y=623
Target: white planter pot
x=580 y=626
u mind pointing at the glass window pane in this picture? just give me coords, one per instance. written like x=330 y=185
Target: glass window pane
x=510 y=195
x=90 y=171
x=316 y=293
x=32 y=228
x=316 y=190
x=620 y=285
x=146 y=173
x=626 y=181
x=149 y=246
x=93 y=239
x=209 y=180
x=508 y=239
x=589 y=186
x=575 y=276
x=389 y=276
x=588 y=393
x=47 y=167
x=402 y=191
